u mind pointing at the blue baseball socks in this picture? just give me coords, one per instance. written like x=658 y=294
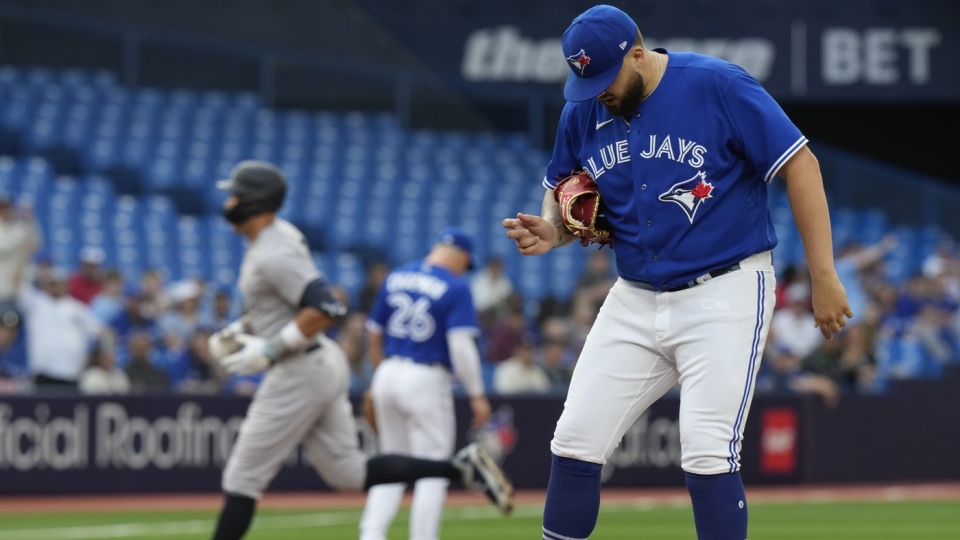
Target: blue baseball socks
x=719 y=506
x=573 y=499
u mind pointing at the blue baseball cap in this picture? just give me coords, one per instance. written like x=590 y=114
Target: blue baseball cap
x=455 y=236
x=594 y=45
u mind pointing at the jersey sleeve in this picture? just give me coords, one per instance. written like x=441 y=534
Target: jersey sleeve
x=462 y=315
x=767 y=137
x=565 y=149
x=289 y=271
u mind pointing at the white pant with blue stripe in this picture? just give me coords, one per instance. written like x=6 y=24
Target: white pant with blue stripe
x=709 y=338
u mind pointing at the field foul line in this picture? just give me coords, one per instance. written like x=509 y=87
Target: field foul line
x=302 y=521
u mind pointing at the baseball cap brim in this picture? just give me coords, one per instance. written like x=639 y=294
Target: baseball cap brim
x=225 y=185
x=583 y=89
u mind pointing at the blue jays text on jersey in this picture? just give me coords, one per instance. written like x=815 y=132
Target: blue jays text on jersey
x=416 y=307
x=684 y=181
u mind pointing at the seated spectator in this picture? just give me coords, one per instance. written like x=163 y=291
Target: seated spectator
x=506 y=333
x=519 y=374
x=154 y=297
x=170 y=355
x=136 y=316
x=557 y=356
x=145 y=377
x=794 y=325
x=782 y=373
x=490 y=286
x=901 y=356
x=788 y=276
x=87 y=280
x=102 y=376
x=557 y=362
x=203 y=373
x=183 y=315
x=109 y=302
x=847 y=360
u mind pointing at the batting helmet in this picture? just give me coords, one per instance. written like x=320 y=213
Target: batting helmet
x=260 y=187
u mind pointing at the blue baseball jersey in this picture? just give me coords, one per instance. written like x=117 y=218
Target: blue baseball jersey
x=416 y=307
x=684 y=181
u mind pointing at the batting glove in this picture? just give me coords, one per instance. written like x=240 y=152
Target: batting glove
x=256 y=355
x=224 y=341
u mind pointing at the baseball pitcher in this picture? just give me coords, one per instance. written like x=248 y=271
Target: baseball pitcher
x=303 y=397
x=681 y=147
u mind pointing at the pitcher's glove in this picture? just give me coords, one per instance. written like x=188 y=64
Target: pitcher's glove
x=581 y=209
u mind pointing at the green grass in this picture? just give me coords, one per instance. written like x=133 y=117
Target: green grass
x=902 y=520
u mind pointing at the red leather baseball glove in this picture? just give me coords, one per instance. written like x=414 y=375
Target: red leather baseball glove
x=580 y=209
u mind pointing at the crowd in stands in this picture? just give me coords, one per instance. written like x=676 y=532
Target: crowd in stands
x=95 y=331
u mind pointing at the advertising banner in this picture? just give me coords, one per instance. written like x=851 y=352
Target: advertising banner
x=802 y=50
x=177 y=444
x=172 y=444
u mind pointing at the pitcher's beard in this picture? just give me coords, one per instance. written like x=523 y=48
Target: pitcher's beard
x=630 y=102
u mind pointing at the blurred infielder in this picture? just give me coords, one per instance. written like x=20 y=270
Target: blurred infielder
x=682 y=146
x=422 y=331
x=303 y=397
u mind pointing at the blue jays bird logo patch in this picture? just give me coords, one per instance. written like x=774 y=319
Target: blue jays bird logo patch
x=689 y=194
x=579 y=61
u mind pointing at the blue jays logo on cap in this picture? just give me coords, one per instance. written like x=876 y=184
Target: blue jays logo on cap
x=579 y=61
x=594 y=45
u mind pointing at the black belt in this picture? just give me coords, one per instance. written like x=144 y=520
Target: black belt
x=692 y=283
x=704 y=278
x=312 y=348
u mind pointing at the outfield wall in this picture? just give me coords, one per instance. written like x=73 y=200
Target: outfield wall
x=180 y=444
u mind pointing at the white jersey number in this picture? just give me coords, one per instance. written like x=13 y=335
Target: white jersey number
x=410 y=319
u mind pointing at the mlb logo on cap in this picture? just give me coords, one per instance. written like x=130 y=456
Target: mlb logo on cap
x=594 y=45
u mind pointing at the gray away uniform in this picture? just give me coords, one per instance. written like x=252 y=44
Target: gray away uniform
x=304 y=397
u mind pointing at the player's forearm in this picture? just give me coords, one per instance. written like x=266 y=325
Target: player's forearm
x=550 y=211
x=299 y=333
x=375 y=348
x=809 y=205
x=466 y=362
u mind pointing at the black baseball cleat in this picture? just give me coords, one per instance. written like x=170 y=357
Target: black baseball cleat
x=481 y=473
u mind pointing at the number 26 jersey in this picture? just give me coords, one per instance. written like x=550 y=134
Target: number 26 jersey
x=418 y=304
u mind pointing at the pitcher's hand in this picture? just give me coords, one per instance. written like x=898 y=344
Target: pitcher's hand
x=533 y=234
x=831 y=309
